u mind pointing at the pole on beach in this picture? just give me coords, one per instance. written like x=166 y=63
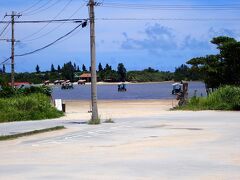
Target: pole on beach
x=93 y=61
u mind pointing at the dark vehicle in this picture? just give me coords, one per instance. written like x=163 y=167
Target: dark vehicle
x=177 y=88
x=122 y=88
x=67 y=85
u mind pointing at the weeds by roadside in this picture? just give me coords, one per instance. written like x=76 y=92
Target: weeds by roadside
x=94 y=121
x=109 y=120
x=31 y=107
x=225 y=98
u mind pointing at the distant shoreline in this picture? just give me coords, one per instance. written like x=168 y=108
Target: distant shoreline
x=116 y=83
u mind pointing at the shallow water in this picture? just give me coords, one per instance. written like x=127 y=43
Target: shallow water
x=134 y=91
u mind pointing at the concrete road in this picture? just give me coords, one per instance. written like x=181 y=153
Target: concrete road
x=172 y=145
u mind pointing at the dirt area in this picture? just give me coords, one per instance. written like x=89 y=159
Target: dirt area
x=118 y=109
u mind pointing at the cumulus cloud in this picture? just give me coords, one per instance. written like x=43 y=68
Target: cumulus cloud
x=191 y=43
x=154 y=38
x=213 y=32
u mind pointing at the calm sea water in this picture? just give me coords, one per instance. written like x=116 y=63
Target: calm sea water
x=134 y=91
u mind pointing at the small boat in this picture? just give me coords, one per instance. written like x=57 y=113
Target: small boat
x=67 y=85
x=81 y=82
x=122 y=87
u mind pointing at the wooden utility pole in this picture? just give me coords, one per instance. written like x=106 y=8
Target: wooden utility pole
x=93 y=61
x=13 y=15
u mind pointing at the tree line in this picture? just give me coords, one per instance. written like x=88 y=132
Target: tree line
x=71 y=71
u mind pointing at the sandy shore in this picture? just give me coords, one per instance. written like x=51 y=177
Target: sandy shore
x=118 y=109
x=116 y=83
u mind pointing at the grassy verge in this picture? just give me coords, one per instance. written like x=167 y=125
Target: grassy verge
x=29 y=107
x=94 y=121
x=225 y=98
x=109 y=121
x=15 y=136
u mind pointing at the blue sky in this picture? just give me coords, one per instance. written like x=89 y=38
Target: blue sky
x=161 y=44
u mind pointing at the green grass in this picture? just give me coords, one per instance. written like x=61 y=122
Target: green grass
x=109 y=121
x=15 y=136
x=94 y=121
x=225 y=98
x=29 y=107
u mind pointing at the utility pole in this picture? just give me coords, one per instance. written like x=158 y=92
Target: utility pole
x=13 y=15
x=93 y=61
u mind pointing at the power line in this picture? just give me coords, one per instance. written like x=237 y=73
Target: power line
x=4 y=29
x=6 y=60
x=45 y=21
x=38 y=10
x=50 y=44
x=62 y=22
x=168 y=19
x=122 y=19
x=60 y=12
x=173 y=7
x=40 y=49
x=32 y=6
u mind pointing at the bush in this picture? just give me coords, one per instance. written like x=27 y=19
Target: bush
x=225 y=98
x=32 y=107
x=8 y=91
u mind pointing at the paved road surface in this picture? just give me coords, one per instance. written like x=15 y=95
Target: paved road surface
x=173 y=145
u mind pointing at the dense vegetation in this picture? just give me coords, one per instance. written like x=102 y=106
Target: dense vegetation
x=32 y=103
x=149 y=75
x=221 y=74
x=221 y=69
x=8 y=91
x=70 y=71
x=224 y=98
x=30 y=107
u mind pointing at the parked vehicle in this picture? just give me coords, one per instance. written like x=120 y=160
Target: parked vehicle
x=177 y=88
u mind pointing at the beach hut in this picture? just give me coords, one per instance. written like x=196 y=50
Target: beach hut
x=86 y=76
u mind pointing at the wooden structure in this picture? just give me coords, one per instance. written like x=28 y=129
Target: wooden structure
x=86 y=76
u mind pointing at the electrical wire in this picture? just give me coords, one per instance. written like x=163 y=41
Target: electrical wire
x=40 y=30
x=37 y=9
x=6 y=60
x=32 y=6
x=44 y=21
x=4 y=29
x=173 y=7
x=6 y=32
x=40 y=49
x=51 y=5
x=168 y=19
x=51 y=21
x=57 y=27
x=44 y=47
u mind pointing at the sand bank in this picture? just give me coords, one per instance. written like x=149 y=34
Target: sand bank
x=118 y=109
